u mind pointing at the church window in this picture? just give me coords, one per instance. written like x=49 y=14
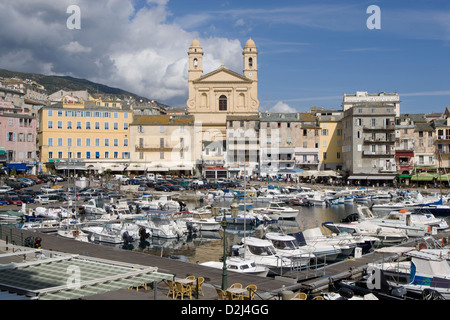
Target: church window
x=222 y=103
x=195 y=62
x=250 y=62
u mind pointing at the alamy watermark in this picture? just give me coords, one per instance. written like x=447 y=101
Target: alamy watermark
x=74 y=20
x=374 y=21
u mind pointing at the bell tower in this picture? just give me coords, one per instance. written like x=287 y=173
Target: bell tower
x=195 y=60
x=250 y=54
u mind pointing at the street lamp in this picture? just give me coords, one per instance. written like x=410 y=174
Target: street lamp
x=224 y=268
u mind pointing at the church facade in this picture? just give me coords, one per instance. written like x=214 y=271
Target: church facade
x=215 y=97
x=222 y=92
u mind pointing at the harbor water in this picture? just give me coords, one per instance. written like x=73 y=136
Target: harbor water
x=209 y=246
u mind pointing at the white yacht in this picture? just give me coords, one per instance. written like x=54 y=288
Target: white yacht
x=238 y=264
x=361 y=223
x=264 y=254
x=161 y=226
x=280 y=208
x=424 y=271
x=286 y=246
x=109 y=233
x=315 y=237
x=203 y=220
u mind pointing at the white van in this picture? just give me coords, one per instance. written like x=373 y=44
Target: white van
x=150 y=177
x=121 y=177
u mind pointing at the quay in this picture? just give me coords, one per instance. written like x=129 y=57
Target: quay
x=312 y=281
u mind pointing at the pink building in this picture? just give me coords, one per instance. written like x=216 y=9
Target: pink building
x=17 y=134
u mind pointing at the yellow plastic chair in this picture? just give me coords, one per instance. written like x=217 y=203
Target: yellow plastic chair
x=221 y=295
x=300 y=296
x=191 y=277
x=236 y=285
x=318 y=298
x=251 y=288
x=172 y=288
x=182 y=290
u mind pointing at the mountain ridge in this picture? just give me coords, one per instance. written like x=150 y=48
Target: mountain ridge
x=55 y=83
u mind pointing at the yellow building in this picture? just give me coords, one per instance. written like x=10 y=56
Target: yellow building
x=86 y=135
x=330 y=144
x=162 y=144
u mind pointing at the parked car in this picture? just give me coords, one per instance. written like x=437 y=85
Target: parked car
x=4 y=189
x=54 y=198
x=42 y=199
x=26 y=182
x=3 y=201
x=14 y=200
x=115 y=195
x=160 y=187
x=26 y=198
x=34 y=178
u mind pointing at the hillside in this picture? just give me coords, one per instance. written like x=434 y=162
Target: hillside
x=55 y=83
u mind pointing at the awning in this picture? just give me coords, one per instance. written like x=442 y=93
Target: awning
x=404 y=154
x=404 y=176
x=2 y=152
x=423 y=176
x=48 y=279
x=380 y=177
x=357 y=178
x=17 y=167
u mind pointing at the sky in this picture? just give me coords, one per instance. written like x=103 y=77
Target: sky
x=309 y=52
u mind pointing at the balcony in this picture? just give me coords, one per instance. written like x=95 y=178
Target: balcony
x=389 y=127
x=371 y=154
x=165 y=148
x=379 y=141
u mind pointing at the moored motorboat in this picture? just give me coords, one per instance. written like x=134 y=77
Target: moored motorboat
x=241 y=265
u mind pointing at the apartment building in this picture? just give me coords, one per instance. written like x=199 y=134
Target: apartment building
x=163 y=143
x=242 y=145
x=369 y=137
x=84 y=135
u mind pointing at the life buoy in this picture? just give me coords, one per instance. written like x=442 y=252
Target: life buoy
x=422 y=246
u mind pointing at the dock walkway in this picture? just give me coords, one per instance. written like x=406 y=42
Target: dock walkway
x=309 y=281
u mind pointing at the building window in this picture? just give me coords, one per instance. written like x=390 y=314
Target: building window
x=116 y=126
x=161 y=155
x=88 y=125
x=222 y=103
x=97 y=125
x=106 y=142
x=69 y=124
x=60 y=125
x=125 y=142
x=50 y=155
x=50 y=125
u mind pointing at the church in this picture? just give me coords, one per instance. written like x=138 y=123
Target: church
x=222 y=92
x=216 y=98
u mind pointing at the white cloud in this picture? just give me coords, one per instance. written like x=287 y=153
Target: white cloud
x=282 y=108
x=75 y=47
x=139 y=51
